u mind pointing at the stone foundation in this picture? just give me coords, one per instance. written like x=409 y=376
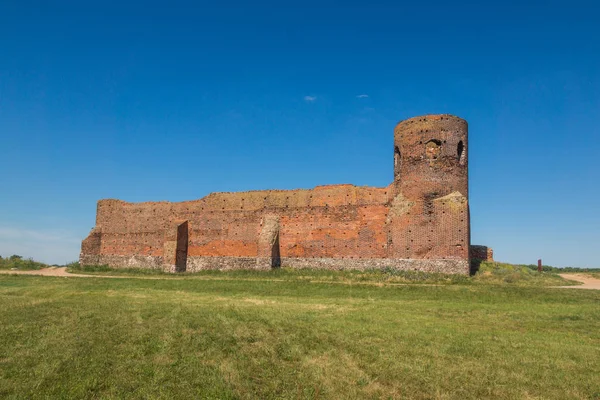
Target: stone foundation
x=195 y=264
x=440 y=266
x=135 y=261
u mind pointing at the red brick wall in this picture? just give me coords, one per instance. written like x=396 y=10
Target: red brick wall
x=328 y=221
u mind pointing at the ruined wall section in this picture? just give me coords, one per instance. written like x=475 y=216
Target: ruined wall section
x=338 y=221
x=91 y=247
x=481 y=253
x=420 y=221
x=430 y=157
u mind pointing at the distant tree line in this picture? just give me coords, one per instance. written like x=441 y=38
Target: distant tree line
x=548 y=268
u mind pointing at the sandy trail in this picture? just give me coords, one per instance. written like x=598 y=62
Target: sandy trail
x=53 y=271
x=588 y=281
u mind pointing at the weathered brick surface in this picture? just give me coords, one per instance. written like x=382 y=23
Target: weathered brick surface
x=420 y=221
x=481 y=253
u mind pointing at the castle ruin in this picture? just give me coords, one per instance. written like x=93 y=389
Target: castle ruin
x=419 y=222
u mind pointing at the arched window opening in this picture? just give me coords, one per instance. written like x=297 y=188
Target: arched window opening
x=433 y=149
x=460 y=152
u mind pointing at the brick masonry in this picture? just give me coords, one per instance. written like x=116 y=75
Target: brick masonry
x=419 y=222
x=481 y=253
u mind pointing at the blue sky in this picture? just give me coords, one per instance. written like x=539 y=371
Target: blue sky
x=173 y=100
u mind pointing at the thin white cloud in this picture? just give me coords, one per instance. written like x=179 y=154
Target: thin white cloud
x=310 y=99
x=50 y=246
x=362 y=96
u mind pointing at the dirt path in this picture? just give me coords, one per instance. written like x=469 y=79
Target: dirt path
x=588 y=281
x=53 y=271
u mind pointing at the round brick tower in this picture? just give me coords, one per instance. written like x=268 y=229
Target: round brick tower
x=430 y=157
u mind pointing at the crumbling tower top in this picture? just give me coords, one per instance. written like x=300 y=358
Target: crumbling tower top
x=430 y=156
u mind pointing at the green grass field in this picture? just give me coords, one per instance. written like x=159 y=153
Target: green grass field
x=296 y=335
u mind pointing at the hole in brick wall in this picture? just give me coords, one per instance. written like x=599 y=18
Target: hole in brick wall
x=433 y=149
x=397 y=160
x=460 y=152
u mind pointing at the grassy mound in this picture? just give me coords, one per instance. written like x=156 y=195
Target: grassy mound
x=521 y=275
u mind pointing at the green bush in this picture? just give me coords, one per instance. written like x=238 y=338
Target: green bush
x=17 y=262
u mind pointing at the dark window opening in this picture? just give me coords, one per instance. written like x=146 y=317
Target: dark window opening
x=397 y=160
x=181 y=249
x=460 y=152
x=433 y=149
